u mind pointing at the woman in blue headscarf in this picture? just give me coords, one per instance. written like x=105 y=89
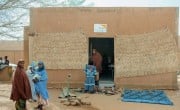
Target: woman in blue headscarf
x=90 y=71
x=30 y=73
x=40 y=80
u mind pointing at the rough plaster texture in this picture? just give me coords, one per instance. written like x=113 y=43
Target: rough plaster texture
x=61 y=50
x=146 y=54
x=120 y=21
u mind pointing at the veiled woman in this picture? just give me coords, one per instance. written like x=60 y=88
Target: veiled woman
x=41 y=79
x=21 y=90
x=30 y=73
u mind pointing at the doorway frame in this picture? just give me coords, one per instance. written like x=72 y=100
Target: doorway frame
x=90 y=47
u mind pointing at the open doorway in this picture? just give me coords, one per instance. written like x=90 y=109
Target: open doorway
x=105 y=46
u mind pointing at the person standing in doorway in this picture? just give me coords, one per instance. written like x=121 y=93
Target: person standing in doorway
x=21 y=90
x=97 y=61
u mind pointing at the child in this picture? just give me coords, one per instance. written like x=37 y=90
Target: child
x=90 y=72
x=30 y=73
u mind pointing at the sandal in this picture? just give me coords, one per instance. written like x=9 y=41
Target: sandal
x=39 y=107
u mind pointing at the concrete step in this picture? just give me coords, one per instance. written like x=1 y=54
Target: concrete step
x=106 y=84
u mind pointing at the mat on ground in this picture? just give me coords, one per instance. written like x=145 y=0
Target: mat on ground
x=146 y=96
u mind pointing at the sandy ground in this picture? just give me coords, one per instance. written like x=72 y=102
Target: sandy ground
x=99 y=101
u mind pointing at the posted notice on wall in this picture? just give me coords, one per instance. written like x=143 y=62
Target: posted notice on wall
x=100 y=27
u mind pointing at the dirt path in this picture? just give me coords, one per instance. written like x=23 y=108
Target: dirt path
x=99 y=101
x=7 y=104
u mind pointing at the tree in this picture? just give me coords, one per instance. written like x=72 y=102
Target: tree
x=14 y=14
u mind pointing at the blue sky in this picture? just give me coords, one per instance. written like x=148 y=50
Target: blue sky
x=137 y=3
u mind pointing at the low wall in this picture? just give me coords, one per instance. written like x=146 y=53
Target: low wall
x=58 y=78
x=5 y=73
x=156 y=81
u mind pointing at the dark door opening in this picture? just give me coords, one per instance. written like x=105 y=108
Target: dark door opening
x=105 y=46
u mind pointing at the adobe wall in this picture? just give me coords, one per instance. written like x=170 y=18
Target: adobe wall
x=123 y=21
x=6 y=74
x=13 y=49
x=120 y=21
x=156 y=81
